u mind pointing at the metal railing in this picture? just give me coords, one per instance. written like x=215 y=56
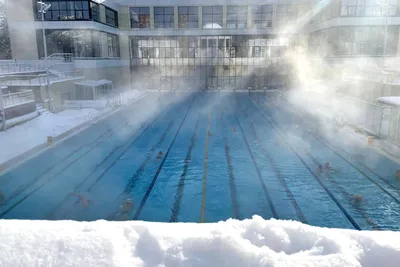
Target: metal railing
x=369 y=116
x=66 y=57
x=15 y=68
x=343 y=109
x=41 y=79
x=15 y=99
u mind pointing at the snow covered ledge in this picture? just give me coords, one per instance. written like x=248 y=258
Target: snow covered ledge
x=254 y=242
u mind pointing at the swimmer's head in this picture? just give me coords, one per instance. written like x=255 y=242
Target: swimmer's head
x=327 y=164
x=357 y=198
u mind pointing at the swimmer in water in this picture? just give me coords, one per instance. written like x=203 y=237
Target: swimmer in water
x=328 y=167
x=234 y=129
x=357 y=199
x=85 y=202
x=398 y=175
x=124 y=209
x=160 y=155
x=2 y=198
x=319 y=169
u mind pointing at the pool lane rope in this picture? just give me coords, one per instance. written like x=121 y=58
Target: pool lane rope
x=149 y=155
x=150 y=188
x=366 y=176
x=266 y=192
x=282 y=180
x=360 y=210
x=386 y=181
x=203 y=200
x=344 y=211
x=108 y=133
x=138 y=135
x=181 y=184
x=232 y=180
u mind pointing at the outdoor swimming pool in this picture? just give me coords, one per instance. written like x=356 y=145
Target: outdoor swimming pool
x=226 y=155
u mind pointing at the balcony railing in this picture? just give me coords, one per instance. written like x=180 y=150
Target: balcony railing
x=41 y=79
x=15 y=99
x=15 y=68
x=65 y=57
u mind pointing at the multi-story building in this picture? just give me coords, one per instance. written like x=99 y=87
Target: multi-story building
x=204 y=44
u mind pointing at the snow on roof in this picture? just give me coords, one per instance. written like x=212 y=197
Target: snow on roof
x=390 y=100
x=93 y=83
x=252 y=242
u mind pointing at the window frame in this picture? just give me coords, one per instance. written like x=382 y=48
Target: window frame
x=365 y=8
x=213 y=14
x=164 y=22
x=264 y=17
x=236 y=13
x=140 y=23
x=109 y=18
x=189 y=15
x=51 y=13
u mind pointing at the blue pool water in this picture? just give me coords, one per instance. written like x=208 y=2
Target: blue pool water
x=225 y=156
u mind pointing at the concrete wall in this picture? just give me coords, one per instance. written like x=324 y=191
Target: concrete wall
x=20 y=110
x=20 y=17
x=57 y=90
x=120 y=76
x=124 y=19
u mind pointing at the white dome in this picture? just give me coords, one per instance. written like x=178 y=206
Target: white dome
x=212 y=26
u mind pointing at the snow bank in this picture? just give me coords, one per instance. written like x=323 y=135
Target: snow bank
x=254 y=242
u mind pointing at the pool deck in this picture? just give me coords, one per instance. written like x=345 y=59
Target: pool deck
x=65 y=133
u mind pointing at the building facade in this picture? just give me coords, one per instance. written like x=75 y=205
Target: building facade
x=204 y=44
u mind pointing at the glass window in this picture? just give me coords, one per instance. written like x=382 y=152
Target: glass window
x=111 y=17
x=81 y=43
x=261 y=16
x=95 y=11
x=212 y=17
x=236 y=17
x=113 y=45
x=286 y=13
x=66 y=10
x=188 y=17
x=367 y=8
x=140 y=17
x=163 y=17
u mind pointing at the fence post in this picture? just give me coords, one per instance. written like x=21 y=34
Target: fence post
x=380 y=122
x=397 y=125
x=2 y=110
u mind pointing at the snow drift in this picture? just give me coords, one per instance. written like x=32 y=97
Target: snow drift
x=252 y=242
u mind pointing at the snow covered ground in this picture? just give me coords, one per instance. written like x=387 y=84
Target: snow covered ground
x=254 y=242
x=30 y=134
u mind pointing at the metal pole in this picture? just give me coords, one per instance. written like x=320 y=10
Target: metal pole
x=44 y=37
x=2 y=111
x=385 y=39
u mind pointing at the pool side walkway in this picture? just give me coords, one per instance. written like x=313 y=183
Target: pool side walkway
x=18 y=151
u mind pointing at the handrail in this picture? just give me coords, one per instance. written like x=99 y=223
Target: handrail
x=66 y=57
x=21 y=67
x=12 y=99
x=42 y=79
